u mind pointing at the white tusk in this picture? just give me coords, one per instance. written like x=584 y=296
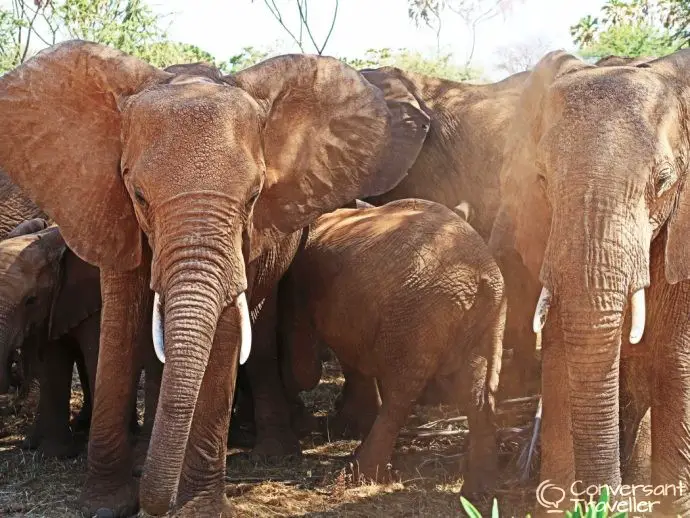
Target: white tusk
x=542 y=310
x=245 y=327
x=638 y=316
x=157 y=329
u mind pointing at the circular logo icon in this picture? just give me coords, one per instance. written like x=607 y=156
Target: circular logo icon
x=549 y=496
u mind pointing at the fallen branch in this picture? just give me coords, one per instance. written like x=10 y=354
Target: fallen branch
x=519 y=400
x=432 y=433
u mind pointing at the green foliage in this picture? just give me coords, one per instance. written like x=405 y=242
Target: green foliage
x=129 y=25
x=414 y=61
x=245 y=59
x=629 y=40
x=634 y=28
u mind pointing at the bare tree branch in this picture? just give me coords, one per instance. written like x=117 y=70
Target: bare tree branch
x=275 y=11
x=304 y=26
x=305 y=23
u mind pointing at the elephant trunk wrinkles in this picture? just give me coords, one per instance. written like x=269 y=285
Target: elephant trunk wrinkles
x=193 y=303
x=592 y=339
x=592 y=270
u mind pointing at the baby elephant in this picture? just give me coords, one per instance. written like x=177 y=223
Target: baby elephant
x=406 y=295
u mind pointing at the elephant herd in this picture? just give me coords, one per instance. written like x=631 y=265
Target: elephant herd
x=216 y=231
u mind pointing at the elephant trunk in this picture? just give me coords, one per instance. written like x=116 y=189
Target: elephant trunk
x=593 y=272
x=192 y=309
x=592 y=339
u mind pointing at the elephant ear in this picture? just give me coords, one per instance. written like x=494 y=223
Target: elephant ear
x=676 y=68
x=324 y=135
x=410 y=121
x=61 y=144
x=524 y=219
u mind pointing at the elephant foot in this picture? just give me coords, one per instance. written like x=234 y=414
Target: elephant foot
x=105 y=501
x=367 y=469
x=56 y=444
x=58 y=449
x=276 y=445
x=479 y=482
x=205 y=506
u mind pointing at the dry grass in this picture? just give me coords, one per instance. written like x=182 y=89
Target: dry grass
x=426 y=481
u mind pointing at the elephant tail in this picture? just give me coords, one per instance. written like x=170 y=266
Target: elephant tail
x=492 y=288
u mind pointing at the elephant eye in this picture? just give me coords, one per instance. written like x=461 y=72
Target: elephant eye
x=253 y=197
x=139 y=196
x=30 y=300
x=664 y=181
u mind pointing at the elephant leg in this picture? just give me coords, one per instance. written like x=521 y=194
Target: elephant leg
x=274 y=435
x=670 y=401
x=153 y=375
x=30 y=390
x=557 y=454
x=360 y=406
x=51 y=433
x=522 y=292
x=109 y=485
x=201 y=490
x=482 y=469
x=635 y=427
x=398 y=397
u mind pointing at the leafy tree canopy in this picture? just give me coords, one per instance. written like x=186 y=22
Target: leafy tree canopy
x=129 y=25
x=634 y=28
x=442 y=66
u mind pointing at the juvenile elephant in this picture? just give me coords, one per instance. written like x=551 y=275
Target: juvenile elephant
x=202 y=181
x=49 y=293
x=597 y=205
x=404 y=294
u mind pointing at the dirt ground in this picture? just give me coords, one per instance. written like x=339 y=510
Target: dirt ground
x=428 y=469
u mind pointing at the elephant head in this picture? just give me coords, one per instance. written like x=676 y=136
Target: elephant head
x=596 y=168
x=213 y=171
x=29 y=273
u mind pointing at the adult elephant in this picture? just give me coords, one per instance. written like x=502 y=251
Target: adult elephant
x=455 y=159
x=216 y=174
x=596 y=204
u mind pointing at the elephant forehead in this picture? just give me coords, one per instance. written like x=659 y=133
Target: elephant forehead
x=199 y=125
x=602 y=114
x=623 y=94
x=189 y=111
